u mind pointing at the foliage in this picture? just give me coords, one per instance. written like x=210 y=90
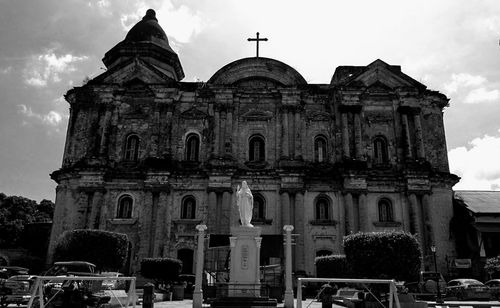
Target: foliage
x=16 y=212
x=332 y=266
x=161 y=270
x=107 y=250
x=383 y=255
x=492 y=266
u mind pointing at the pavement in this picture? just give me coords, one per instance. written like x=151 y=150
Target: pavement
x=311 y=303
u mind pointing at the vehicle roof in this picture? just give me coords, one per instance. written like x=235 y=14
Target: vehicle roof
x=15 y=268
x=470 y=280
x=74 y=263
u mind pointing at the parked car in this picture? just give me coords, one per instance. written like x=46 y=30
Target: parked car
x=467 y=289
x=16 y=290
x=8 y=271
x=494 y=285
x=76 y=268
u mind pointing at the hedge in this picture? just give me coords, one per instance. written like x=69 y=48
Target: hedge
x=332 y=266
x=107 y=250
x=383 y=255
x=162 y=270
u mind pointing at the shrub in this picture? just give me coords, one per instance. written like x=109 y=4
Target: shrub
x=492 y=266
x=383 y=255
x=332 y=266
x=161 y=270
x=107 y=250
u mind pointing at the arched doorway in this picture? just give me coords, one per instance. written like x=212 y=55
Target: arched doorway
x=186 y=256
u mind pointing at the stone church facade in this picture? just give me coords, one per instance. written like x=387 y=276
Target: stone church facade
x=152 y=156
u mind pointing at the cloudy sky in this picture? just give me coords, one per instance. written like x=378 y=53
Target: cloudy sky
x=49 y=46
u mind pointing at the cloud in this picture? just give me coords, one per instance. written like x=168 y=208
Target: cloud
x=478 y=165
x=462 y=80
x=52 y=118
x=47 y=67
x=480 y=95
x=6 y=70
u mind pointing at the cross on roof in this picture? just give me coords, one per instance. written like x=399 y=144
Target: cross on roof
x=257 y=39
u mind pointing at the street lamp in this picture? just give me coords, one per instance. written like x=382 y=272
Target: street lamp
x=438 y=298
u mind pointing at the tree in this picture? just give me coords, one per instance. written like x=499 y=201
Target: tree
x=161 y=270
x=16 y=212
x=107 y=250
x=332 y=266
x=492 y=266
x=383 y=255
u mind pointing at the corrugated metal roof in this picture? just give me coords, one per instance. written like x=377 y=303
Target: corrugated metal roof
x=480 y=201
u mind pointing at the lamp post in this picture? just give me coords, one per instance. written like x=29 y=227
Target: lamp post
x=438 y=297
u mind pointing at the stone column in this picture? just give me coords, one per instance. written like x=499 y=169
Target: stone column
x=427 y=219
x=288 y=269
x=95 y=213
x=416 y=221
x=104 y=134
x=229 y=133
x=198 y=292
x=355 y=214
x=299 y=228
x=406 y=130
x=286 y=133
x=298 y=134
x=279 y=135
x=212 y=210
x=285 y=206
x=419 y=136
x=345 y=135
x=169 y=131
x=357 y=136
x=217 y=132
x=342 y=220
x=349 y=209
x=291 y=135
x=222 y=139
x=225 y=221
x=364 y=215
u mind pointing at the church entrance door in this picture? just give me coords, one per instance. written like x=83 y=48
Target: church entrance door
x=186 y=256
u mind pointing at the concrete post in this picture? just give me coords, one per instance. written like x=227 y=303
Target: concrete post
x=198 y=292
x=288 y=269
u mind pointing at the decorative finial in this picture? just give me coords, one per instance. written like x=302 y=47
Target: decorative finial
x=150 y=14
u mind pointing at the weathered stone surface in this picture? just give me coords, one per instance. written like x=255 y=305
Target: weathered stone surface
x=254 y=98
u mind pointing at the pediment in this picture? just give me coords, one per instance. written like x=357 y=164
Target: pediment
x=131 y=70
x=194 y=113
x=380 y=76
x=319 y=116
x=257 y=115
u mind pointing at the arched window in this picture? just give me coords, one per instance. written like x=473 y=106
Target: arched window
x=385 y=210
x=380 y=150
x=323 y=252
x=188 y=208
x=259 y=207
x=132 y=148
x=322 y=209
x=320 y=150
x=257 y=148
x=192 y=147
x=124 y=209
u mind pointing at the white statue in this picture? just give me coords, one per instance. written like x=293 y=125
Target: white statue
x=245 y=204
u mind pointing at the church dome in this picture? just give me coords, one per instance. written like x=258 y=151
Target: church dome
x=148 y=30
x=257 y=70
x=148 y=42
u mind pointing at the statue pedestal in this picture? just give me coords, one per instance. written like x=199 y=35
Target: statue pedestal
x=244 y=274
